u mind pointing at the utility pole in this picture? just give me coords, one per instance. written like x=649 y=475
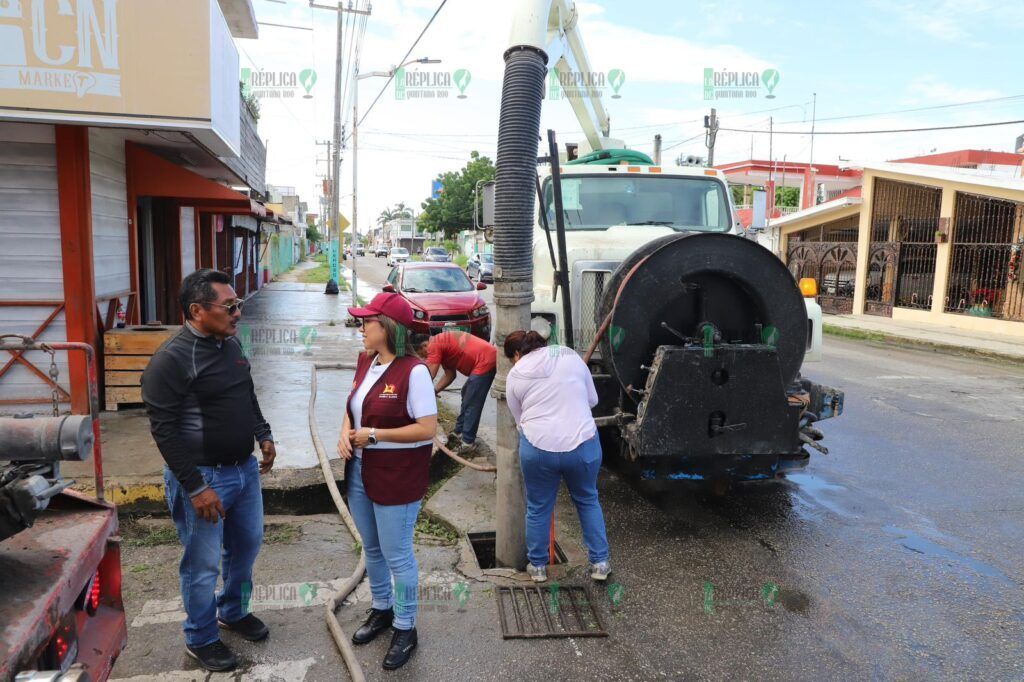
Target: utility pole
x=711 y=125
x=335 y=203
x=355 y=179
x=657 y=149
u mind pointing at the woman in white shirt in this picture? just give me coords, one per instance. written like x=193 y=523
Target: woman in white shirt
x=550 y=393
x=386 y=438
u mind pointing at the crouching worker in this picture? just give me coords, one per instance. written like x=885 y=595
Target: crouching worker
x=476 y=359
x=386 y=439
x=550 y=393
x=205 y=420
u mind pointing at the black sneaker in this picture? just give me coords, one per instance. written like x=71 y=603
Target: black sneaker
x=378 y=622
x=249 y=627
x=402 y=645
x=213 y=657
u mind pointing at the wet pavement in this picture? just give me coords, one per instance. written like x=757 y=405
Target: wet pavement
x=896 y=556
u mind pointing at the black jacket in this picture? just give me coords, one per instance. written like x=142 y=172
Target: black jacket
x=202 y=405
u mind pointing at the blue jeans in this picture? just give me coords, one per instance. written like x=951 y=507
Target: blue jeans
x=543 y=471
x=387 y=531
x=230 y=545
x=474 y=395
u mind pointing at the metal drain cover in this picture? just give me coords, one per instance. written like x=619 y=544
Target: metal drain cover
x=552 y=611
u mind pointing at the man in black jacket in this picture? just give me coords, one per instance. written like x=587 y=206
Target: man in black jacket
x=204 y=417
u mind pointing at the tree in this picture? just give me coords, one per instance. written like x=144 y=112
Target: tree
x=313 y=234
x=452 y=211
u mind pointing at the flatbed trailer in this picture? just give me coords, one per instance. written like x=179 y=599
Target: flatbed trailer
x=61 y=612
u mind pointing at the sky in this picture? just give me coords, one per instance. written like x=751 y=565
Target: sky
x=867 y=61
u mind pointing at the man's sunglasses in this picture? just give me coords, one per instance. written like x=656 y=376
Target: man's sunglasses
x=232 y=308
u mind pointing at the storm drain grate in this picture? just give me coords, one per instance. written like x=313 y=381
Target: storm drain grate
x=552 y=611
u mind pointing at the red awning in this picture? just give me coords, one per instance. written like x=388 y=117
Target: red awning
x=153 y=176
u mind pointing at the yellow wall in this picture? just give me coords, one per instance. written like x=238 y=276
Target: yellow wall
x=944 y=252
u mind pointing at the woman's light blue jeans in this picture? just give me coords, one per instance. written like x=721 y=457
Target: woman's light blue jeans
x=543 y=471
x=387 y=531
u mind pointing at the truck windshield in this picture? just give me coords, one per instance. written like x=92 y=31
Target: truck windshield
x=682 y=203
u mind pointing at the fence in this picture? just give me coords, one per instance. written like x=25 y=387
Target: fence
x=984 y=275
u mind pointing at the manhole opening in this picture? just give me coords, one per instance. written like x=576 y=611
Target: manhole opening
x=483 y=549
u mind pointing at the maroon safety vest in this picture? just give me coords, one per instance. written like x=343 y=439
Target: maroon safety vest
x=399 y=475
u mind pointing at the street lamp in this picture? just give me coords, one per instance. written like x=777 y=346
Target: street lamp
x=355 y=151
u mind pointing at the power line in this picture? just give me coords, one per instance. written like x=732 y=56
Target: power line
x=876 y=132
x=391 y=77
x=689 y=139
x=907 y=111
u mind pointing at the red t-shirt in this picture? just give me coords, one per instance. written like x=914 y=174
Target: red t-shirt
x=463 y=352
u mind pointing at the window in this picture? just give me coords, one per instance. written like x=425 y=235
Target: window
x=682 y=203
x=419 y=280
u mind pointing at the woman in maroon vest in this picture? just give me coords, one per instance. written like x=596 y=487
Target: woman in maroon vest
x=390 y=422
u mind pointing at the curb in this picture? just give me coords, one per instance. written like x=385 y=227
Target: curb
x=295 y=492
x=857 y=334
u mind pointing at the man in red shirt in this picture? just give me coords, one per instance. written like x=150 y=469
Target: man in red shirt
x=466 y=354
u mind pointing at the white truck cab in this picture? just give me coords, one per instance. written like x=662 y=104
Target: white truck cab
x=610 y=211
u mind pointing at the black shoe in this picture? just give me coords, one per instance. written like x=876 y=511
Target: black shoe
x=214 y=657
x=378 y=622
x=400 y=651
x=250 y=627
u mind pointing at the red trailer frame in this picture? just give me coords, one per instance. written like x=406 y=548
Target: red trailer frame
x=61 y=578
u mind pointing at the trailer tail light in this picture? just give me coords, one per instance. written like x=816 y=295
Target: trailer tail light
x=809 y=287
x=89 y=599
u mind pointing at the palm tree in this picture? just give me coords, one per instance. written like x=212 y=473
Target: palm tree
x=401 y=211
x=386 y=216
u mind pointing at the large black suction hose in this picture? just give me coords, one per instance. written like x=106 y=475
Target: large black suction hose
x=522 y=92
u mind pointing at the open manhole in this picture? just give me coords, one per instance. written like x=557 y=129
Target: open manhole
x=483 y=548
x=550 y=611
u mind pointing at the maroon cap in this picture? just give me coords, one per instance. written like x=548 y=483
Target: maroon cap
x=389 y=305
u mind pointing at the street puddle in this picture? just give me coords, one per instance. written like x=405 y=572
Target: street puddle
x=920 y=545
x=819 y=492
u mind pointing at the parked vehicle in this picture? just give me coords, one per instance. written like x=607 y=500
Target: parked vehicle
x=436 y=254
x=481 y=267
x=397 y=255
x=380 y=250
x=442 y=298
x=360 y=251
x=61 y=615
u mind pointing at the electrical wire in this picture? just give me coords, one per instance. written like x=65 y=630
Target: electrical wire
x=401 y=61
x=875 y=132
x=907 y=111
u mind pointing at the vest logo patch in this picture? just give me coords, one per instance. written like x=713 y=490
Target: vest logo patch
x=388 y=393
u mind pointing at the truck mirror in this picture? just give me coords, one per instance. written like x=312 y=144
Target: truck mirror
x=488 y=205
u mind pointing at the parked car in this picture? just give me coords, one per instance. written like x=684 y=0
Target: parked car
x=360 y=251
x=481 y=267
x=442 y=298
x=397 y=255
x=380 y=250
x=436 y=254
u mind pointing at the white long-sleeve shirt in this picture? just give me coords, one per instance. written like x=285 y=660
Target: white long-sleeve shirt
x=550 y=393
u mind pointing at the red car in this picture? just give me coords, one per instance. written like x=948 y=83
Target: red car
x=442 y=298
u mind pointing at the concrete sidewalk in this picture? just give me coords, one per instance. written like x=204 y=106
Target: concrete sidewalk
x=286 y=327
x=985 y=344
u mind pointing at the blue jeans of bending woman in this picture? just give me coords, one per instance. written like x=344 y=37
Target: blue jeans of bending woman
x=543 y=471
x=387 y=531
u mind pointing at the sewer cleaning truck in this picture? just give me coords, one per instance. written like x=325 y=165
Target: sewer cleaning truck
x=695 y=335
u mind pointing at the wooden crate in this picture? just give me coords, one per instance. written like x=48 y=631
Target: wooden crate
x=126 y=354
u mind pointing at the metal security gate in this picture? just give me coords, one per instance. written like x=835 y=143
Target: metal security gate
x=828 y=253
x=901 y=260
x=984 y=274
